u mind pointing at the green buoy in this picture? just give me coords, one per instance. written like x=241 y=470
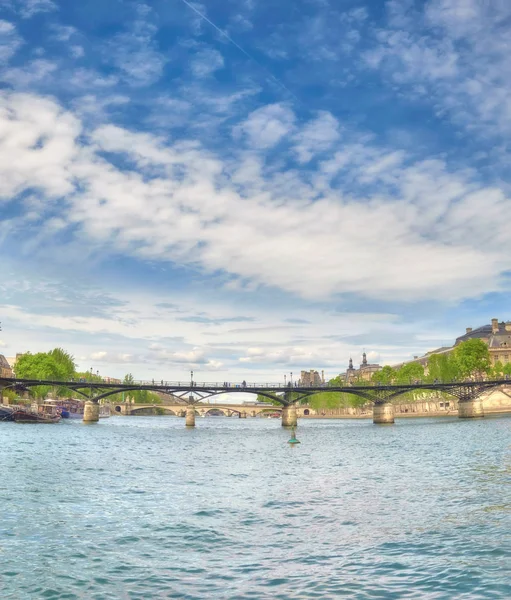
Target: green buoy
x=293 y=439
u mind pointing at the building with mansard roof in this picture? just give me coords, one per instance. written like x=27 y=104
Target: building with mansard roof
x=5 y=368
x=497 y=336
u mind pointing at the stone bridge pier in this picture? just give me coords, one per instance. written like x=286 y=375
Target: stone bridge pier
x=470 y=408
x=383 y=413
x=289 y=416
x=91 y=412
x=190 y=416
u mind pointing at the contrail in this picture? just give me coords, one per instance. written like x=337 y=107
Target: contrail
x=227 y=37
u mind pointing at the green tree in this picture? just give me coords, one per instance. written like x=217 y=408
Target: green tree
x=66 y=362
x=128 y=379
x=497 y=370
x=442 y=368
x=472 y=358
x=39 y=366
x=409 y=373
x=140 y=396
x=385 y=376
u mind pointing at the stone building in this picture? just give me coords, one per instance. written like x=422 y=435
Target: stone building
x=5 y=368
x=311 y=378
x=497 y=336
x=365 y=370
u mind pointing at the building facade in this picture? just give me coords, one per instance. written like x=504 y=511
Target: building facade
x=311 y=378
x=5 y=367
x=364 y=372
x=497 y=336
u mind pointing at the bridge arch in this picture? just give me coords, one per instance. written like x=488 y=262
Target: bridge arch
x=139 y=407
x=211 y=411
x=211 y=394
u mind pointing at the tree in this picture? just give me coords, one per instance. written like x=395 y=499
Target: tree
x=472 y=358
x=39 y=366
x=274 y=402
x=65 y=361
x=409 y=373
x=385 y=376
x=498 y=370
x=442 y=368
x=140 y=396
x=128 y=379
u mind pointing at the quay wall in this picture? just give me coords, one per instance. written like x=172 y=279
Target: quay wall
x=434 y=406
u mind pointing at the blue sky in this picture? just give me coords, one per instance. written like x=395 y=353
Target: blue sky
x=247 y=188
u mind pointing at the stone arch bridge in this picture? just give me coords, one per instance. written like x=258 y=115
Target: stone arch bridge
x=241 y=411
x=288 y=397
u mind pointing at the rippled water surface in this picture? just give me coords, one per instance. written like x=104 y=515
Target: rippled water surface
x=140 y=507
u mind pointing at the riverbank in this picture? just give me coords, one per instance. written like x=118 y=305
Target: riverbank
x=408 y=415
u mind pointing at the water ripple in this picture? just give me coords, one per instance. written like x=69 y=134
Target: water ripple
x=142 y=508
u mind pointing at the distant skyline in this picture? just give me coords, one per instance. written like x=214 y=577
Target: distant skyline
x=247 y=188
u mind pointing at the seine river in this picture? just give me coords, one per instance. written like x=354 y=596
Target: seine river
x=139 y=507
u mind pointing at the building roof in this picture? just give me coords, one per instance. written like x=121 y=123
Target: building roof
x=479 y=332
x=499 y=340
x=484 y=332
x=3 y=363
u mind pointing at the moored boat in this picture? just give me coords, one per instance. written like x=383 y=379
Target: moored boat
x=6 y=413
x=73 y=408
x=44 y=413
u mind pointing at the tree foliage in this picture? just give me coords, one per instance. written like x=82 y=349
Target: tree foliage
x=139 y=396
x=42 y=365
x=442 y=368
x=472 y=358
x=385 y=376
x=66 y=362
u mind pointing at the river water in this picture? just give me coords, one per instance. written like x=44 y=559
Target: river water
x=140 y=507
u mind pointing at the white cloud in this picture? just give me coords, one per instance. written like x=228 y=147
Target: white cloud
x=135 y=52
x=416 y=237
x=112 y=358
x=77 y=51
x=63 y=33
x=10 y=41
x=266 y=126
x=29 y=8
x=453 y=53
x=206 y=62
x=2 y=344
x=37 y=71
x=317 y=136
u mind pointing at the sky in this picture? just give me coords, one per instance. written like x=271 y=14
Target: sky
x=247 y=188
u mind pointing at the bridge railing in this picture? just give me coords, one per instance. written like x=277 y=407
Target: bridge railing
x=223 y=384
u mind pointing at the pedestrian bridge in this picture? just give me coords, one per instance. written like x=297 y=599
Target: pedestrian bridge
x=289 y=397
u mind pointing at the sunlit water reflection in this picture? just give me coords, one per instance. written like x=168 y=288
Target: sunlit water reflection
x=140 y=507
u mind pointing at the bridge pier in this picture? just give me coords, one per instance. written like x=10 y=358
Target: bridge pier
x=190 y=416
x=289 y=416
x=383 y=413
x=470 y=409
x=91 y=412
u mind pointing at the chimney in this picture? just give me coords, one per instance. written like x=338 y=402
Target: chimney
x=415 y=357
x=469 y=329
x=494 y=325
